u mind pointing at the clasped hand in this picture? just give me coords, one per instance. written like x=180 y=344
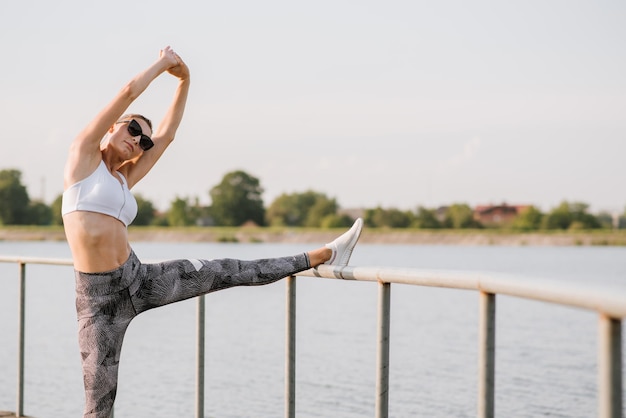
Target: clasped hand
x=177 y=66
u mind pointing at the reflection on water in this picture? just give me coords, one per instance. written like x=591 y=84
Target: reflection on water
x=546 y=354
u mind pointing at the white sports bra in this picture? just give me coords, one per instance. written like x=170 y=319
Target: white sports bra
x=101 y=192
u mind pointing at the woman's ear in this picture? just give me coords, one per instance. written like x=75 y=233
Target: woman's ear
x=111 y=128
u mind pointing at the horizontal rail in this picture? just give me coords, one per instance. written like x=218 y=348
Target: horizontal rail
x=36 y=260
x=602 y=298
x=605 y=299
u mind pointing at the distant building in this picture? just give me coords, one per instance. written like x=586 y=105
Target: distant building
x=497 y=215
x=441 y=212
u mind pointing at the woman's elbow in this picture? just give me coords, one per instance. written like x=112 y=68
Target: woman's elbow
x=130 y=91
x=170 y=138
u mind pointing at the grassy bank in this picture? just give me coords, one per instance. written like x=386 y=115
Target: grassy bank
x=313 y=235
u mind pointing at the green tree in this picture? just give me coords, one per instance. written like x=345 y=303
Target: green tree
x=180 y=213
x=620 y=222
x=582 y=218
x=529 y=219
x=14 y=198
x=145 y=211
x=323 y=207
x=300 y=209
x=337 y=221
x=237 y=199
x=390 y=218
x=606 y=220
x=39 y=213
x=558 y=218
x=286 y=210
x=570 y=216
x=426 y=218
x=460 y=215
x=55 y=208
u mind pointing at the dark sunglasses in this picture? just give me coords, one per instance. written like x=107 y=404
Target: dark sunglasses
x=134 y=129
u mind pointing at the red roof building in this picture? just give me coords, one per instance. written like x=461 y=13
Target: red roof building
x=497 y=215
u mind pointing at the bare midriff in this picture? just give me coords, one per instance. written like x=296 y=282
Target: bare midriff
x=98 y=242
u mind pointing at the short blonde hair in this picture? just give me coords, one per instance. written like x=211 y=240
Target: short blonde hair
x=129 y=116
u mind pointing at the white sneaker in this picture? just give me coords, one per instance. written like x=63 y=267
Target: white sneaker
x=342 y=247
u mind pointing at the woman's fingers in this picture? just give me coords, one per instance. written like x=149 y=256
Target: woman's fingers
x=168 y=54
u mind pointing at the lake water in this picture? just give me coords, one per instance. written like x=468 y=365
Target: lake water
x=546 y=361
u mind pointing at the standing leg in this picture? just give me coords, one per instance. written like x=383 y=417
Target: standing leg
x=100 y=340
x=104 y=311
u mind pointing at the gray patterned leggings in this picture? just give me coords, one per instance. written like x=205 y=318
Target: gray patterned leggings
x=107 y=302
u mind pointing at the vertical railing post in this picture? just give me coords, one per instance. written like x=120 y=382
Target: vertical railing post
x=290 y=348
x=486 y=355
x=20 y=339
x=200 y=358
x=610 y=367
x=382 y=356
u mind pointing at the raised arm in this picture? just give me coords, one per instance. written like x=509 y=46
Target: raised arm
x=85 y=154
x=166 y=129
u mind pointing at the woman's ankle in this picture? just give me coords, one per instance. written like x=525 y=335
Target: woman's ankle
x=319 y=256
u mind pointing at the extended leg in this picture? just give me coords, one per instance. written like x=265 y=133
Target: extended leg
x=172 y=281
x=168 y=282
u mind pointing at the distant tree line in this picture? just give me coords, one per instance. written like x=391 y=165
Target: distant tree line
x=237 y=200
x=566 y=216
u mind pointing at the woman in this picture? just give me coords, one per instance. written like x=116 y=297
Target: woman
x=112 y=285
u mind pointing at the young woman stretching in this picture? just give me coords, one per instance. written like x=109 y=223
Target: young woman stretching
x=112 y=284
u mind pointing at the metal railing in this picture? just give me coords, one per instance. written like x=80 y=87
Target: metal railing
x=607 y=302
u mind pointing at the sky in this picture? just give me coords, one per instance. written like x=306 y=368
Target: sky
x=394 y=103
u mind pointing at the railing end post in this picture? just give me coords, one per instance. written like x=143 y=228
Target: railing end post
x=610 y=367
x=487 y=355
x=382 y=356
x=290 y=347
x=19 y=411
x=200 y=333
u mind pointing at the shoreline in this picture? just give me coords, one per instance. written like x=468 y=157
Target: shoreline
x=312 y=235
